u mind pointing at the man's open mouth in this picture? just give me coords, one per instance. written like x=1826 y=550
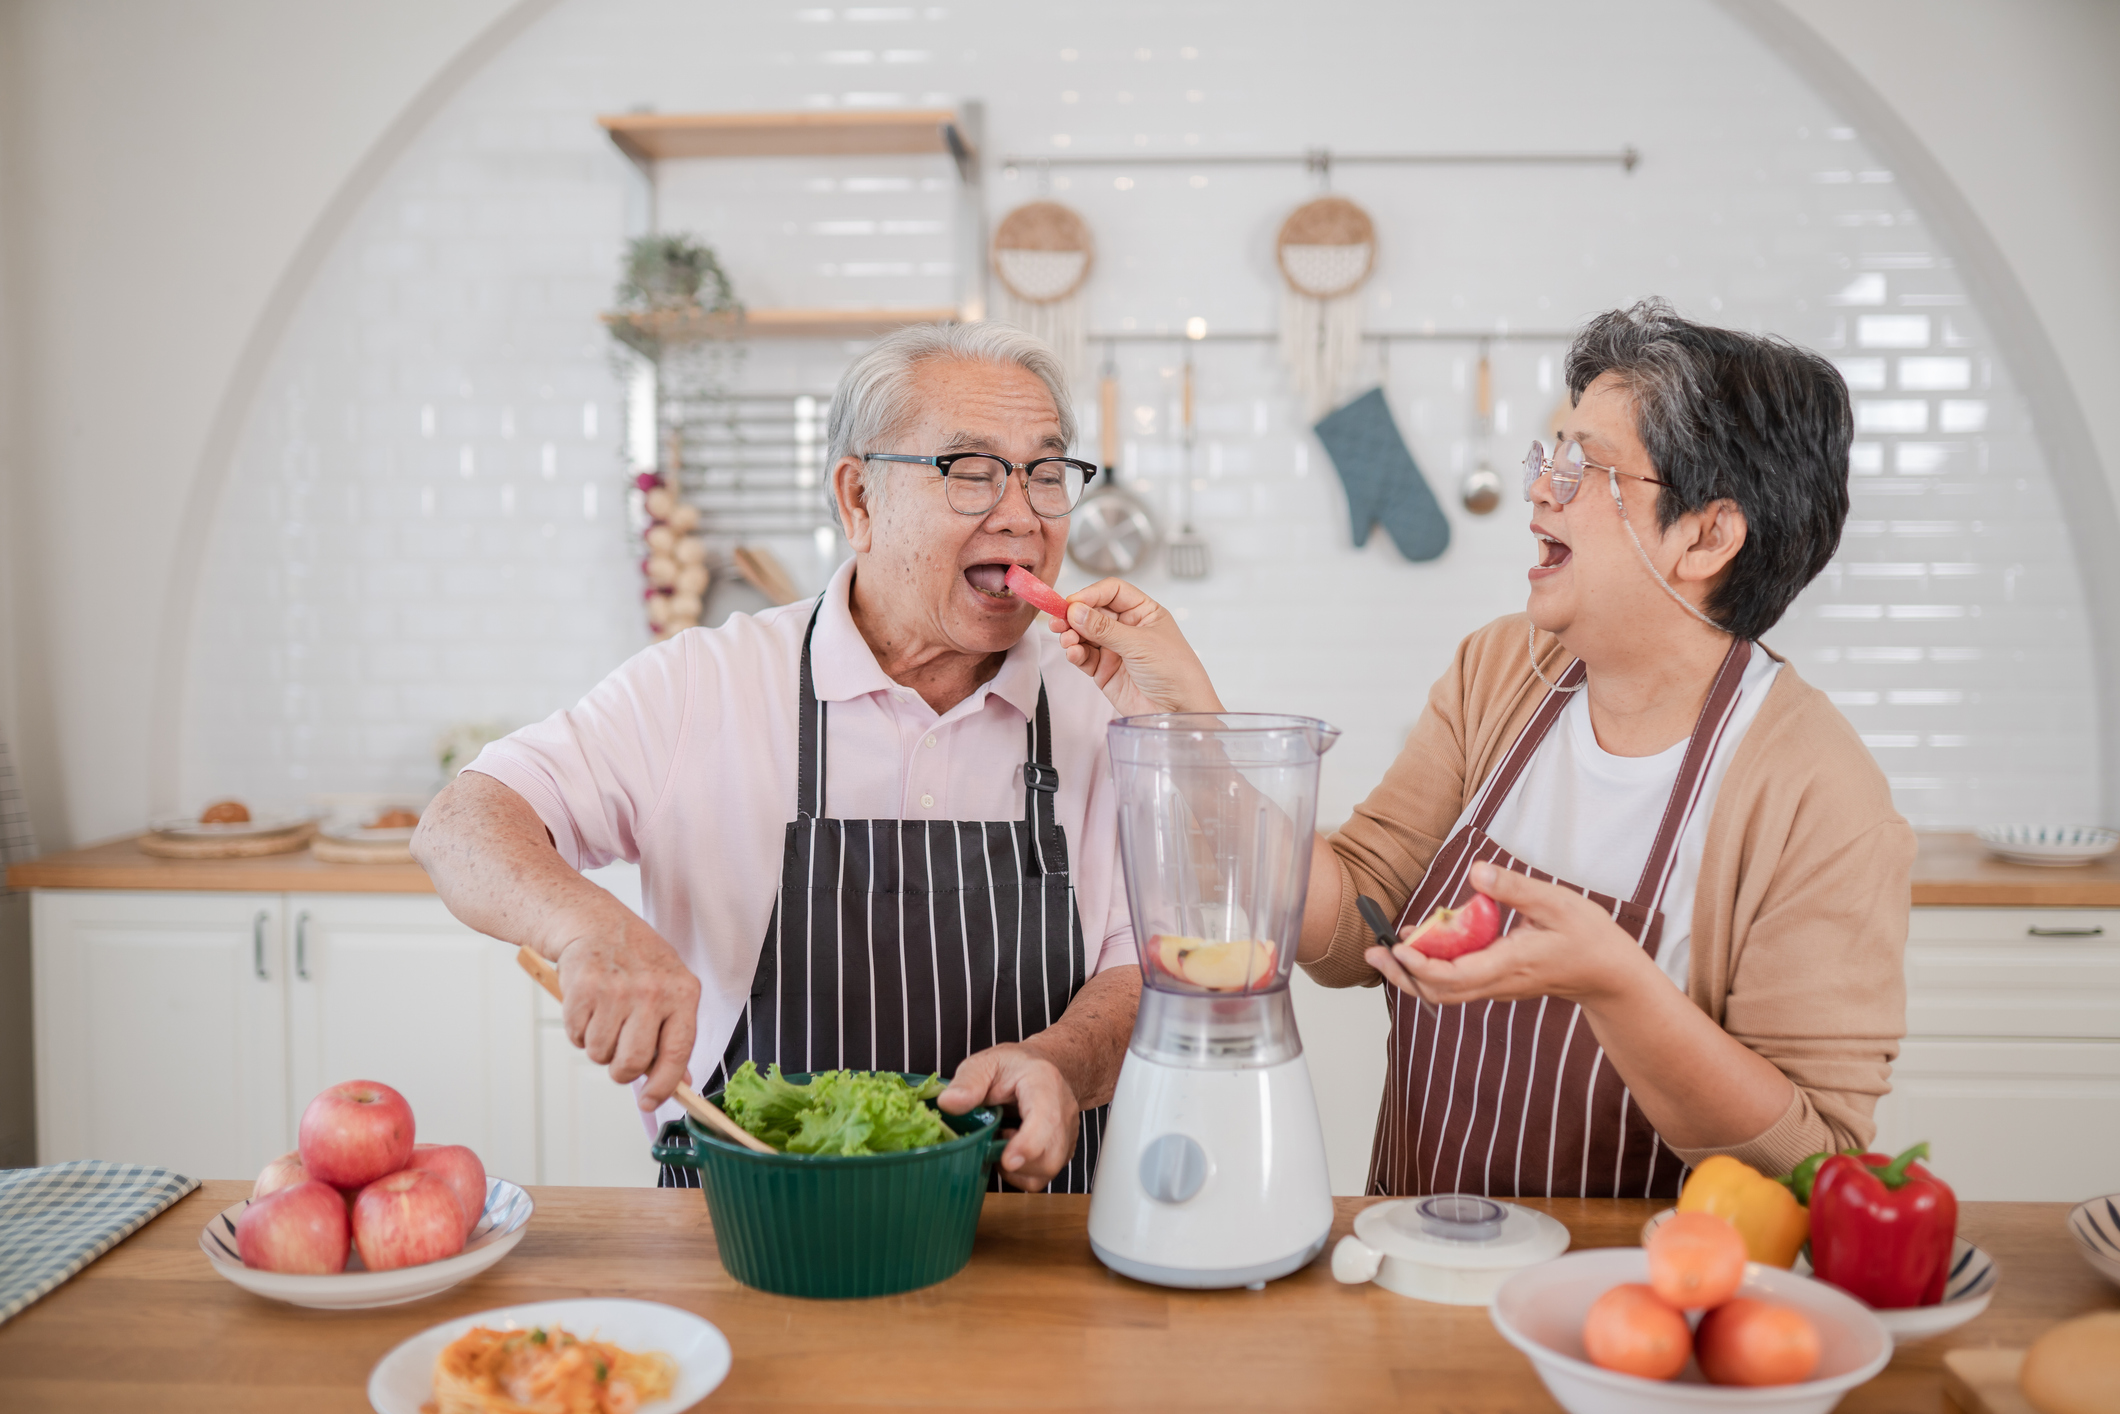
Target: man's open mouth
x=990 y=579
x=1552 y=554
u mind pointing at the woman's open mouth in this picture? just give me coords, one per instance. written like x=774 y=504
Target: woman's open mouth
x=1552 y=554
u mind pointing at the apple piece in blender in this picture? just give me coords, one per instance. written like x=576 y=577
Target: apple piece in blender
x=1227 y=967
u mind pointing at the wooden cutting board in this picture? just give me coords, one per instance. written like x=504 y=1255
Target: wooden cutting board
x=1985 y=1381
x=165 y=846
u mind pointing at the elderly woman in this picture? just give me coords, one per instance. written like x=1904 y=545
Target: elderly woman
x=875 y=829
x=1701 y=878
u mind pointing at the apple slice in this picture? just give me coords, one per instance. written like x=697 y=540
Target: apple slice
x=1036 y=592
x=1227 y=967
x=1170 y=952
x=1453 y=932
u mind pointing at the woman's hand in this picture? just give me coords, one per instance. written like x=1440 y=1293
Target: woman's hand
x=1131 y=646
x=1563 y=946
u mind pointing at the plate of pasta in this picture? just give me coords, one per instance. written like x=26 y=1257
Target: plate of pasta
x=590 y=1356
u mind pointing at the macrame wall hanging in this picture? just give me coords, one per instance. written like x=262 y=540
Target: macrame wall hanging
x=1042 y=258
x=1326 y=250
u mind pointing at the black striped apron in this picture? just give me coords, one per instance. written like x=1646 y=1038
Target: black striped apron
x=1515 y=1099
x=910 y=944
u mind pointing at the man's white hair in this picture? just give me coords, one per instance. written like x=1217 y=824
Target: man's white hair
x=875 y=395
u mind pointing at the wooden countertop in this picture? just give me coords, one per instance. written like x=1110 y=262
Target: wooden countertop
x=1033 y=1323
x=1950 y=870
x=121 y=864
x=1957 y=870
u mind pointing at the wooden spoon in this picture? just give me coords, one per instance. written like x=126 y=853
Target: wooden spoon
x=694 y=1103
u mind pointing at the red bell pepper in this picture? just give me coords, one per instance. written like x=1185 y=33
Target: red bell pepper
x=1881 y=1228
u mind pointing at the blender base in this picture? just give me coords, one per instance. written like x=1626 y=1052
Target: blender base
x=1204 y=1280
x=1211 y=1177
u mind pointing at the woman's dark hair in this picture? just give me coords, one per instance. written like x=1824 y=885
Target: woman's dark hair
x=1733 y=416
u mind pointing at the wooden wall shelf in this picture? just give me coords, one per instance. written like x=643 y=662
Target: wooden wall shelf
x=649 y=137
x=687 y=326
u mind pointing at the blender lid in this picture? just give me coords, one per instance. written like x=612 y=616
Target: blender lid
x=1461 y=1232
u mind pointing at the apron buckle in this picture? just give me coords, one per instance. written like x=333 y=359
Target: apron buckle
x=1040 y=777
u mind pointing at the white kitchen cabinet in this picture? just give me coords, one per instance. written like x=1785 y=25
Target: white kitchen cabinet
x=161 y=1029
x=591 y=1132
x=2011 y=1066
x=390 y=987
x=2026 y=1121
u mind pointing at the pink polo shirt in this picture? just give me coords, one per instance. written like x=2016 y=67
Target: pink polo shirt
x=683 y=760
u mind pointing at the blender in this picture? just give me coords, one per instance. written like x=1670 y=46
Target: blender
x=1212 y=1169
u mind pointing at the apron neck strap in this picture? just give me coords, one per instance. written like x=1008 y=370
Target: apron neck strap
x=1549 y=711
x=809 y=757
x=1685 y=791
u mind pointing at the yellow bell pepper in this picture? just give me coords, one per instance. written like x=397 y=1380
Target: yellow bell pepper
x=1767 y=1215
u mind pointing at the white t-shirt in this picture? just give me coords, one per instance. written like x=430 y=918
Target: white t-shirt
x=1584 y=815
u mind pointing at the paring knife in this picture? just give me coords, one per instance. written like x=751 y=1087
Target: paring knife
x=1373 y=914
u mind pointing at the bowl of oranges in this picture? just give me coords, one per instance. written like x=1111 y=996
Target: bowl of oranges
x=1688 y=1323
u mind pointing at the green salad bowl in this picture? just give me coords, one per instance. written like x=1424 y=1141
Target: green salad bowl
x=834 y=1226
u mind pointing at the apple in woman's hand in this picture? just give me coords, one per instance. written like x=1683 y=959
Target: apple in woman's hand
x=458 y=1167
x=297 y=1229
x=1453 y=932
x=355 y=1132
x=406 y=1218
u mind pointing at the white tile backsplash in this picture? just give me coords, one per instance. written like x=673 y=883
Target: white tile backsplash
x=426 y=522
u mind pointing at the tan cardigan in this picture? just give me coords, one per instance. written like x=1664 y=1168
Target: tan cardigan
x=1800 y=910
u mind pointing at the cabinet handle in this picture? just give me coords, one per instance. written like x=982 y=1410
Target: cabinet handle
x=301 y=945
x=257 y=945
x=2035 y=931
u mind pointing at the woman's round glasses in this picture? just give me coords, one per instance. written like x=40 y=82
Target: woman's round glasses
x=975 y=482
x=1567 y=464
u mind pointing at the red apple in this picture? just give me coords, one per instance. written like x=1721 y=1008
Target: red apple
x=297 y=1229
x=284 y=1172
x=406 y=1218
x=1453 y=932
x=458 y=1167
x=354 y=1133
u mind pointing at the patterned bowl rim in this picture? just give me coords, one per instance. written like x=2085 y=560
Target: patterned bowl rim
x=2048 y=836
x=2097 y=1242
x=508 y=1208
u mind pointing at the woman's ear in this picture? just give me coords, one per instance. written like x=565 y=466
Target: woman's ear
x=851 y=496
x=1714 y=534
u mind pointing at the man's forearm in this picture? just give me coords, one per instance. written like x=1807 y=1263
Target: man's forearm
x=493 y=863
x=1088 y=1043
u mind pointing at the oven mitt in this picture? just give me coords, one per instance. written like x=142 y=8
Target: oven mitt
x=1382 y=481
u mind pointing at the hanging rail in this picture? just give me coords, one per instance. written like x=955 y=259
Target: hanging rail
x=1388 y=336
x=1322 y=160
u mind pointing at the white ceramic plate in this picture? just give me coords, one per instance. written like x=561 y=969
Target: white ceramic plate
x=2096 y=1227
x=2049 y=845
x=404 y=1379
x=500 y=1227
x=1540 y=1311
x=263 y=822
x=1966 y=1292
x=352 y=832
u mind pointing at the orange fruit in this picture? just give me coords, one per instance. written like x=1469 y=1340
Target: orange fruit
x=1748 y=1342
x=1629 y=1329
x=1696 y=1260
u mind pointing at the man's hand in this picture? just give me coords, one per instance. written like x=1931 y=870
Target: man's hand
x=1563 y=946
x=630 y=1004
x=1132 y=647
x=1017 y=1074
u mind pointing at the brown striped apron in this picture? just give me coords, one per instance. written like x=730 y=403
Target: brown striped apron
x=1514 y=1099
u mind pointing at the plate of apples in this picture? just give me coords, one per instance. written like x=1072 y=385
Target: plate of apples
x=360 y=1215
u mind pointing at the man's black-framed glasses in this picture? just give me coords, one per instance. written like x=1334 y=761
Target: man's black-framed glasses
x=975 y=482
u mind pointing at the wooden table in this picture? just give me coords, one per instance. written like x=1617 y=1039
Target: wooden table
x=1034 y=1323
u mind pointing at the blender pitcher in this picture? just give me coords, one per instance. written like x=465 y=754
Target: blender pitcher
x=1212 y=1168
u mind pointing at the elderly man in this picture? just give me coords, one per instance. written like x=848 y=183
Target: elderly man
x=875 y=829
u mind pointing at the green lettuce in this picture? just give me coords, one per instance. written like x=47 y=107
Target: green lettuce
x=836 y=1111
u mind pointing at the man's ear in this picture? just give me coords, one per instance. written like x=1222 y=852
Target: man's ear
x=852 y=499
x=1717 y=533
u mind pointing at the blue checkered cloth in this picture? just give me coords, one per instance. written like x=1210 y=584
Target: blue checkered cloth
x=55 y=1221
